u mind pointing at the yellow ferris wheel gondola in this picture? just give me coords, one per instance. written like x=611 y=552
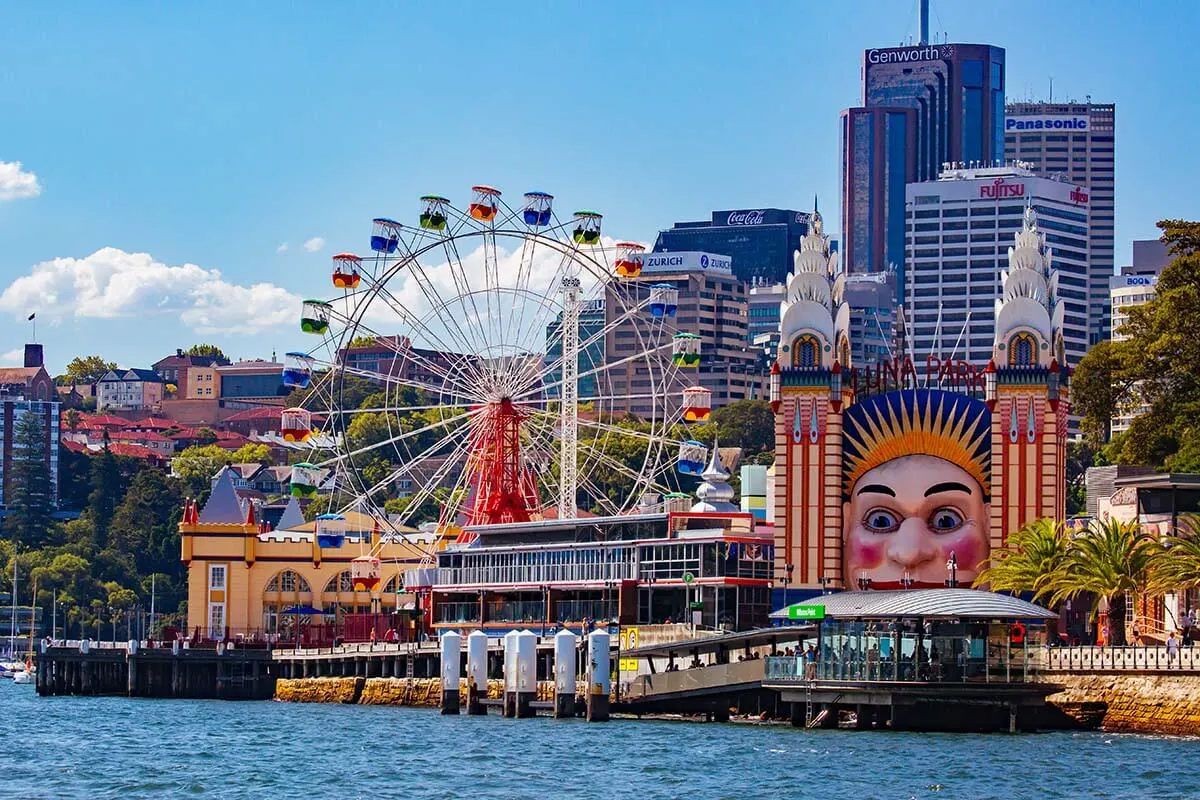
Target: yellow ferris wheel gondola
x=485 y=203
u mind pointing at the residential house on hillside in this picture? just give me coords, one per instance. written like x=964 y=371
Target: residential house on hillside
x=129 y=390
x=195 y=377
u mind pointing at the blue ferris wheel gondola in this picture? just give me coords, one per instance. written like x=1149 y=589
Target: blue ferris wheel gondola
x=385 y=235
x=538 y=207
x=297 y=370
x=327 y=532
x=692 y=457
x=664 y=300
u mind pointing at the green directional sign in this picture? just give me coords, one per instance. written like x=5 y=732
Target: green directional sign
x=688 y=577
x=806 y=612
x=694 y=606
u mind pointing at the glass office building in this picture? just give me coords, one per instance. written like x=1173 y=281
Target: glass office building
x=759 y=241
x=955 y=93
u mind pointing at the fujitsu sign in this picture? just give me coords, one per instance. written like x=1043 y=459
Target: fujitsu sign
x=746 y=218
x=999 y=190
x=1078 y=196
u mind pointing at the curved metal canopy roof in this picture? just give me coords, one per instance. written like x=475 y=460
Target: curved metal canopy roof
x=925 y=603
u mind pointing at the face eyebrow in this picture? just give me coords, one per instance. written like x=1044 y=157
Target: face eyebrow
x=877 y=488
x=947 y=487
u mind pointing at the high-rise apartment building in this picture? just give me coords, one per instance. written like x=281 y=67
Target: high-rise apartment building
x=954 y=94
x=712 y=303
x=27 y=390
x=960 y=229
x=1077 y=142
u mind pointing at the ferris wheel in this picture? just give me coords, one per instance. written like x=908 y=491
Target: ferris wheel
x=523 y=371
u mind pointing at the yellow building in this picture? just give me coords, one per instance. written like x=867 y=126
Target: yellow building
x=202 y=383
x=244 y=581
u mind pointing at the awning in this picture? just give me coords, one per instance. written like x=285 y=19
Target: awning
x=914 y=603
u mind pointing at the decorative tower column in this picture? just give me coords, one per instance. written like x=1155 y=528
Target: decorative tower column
x=1027 y=382
x=808 y=398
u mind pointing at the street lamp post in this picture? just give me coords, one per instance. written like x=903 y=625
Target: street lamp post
x=952 y=570
x=864 y=583
x=906 y=580
x=650 y=611
x=824 y=580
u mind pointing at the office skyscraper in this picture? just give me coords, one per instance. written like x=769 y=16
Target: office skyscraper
x=1075 y=141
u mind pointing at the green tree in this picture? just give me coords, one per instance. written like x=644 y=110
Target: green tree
x=105 y=494
x=748 y=424
x=1158 y=364
x=207 y=351
x=71 y=419
x=1109 y=561
x=362 y=341
x=146 y=523
x=1032 y=554
x=31 y=502
x=197 y=465
x=85 y=369
x=251 y=453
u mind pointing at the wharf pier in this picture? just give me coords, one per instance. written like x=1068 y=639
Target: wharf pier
x=131 y=669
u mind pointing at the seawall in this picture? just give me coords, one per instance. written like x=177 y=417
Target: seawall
x=1125 y=702
x=423 y=692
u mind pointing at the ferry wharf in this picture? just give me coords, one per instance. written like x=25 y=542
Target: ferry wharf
x=924 y=659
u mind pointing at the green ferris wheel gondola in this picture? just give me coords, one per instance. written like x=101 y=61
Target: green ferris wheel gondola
x=433 y=212
x=314 y=317
x=587 y=227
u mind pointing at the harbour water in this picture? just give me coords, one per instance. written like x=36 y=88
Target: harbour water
x=116 y=747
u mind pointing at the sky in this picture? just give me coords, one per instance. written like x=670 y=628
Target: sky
x=173 y=174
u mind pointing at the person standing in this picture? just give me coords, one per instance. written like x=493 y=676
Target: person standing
x=1172 y=649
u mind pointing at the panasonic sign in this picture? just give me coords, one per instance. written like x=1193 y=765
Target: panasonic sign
x=1047 y=122
x=686 y=261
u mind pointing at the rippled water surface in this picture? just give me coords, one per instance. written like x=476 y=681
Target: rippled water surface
x=112 y=747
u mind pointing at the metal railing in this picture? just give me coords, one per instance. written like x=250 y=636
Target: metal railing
x=1132 y=658
x=457 y=612
x=516 y=611
x=998 y=666
x=579 y=610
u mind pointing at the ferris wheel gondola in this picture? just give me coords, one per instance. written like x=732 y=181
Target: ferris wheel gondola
x=628 y=262
x=490 y=405
x=297 y=370
x=347 y=271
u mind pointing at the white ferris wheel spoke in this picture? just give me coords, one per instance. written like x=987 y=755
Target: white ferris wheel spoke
x=403 y=436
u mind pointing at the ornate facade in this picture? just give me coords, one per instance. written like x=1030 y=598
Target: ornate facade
x=908 y=473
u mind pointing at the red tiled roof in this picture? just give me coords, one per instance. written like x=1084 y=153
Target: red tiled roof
x=12 y=375
x=184 y=433
x=74 y=447
x=137 y=436
x=153 y=423
x=132 y=451
x=251 y=414
x=231 y=442
x=102 y=421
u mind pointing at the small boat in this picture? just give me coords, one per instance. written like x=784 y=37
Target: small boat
x=23 y=676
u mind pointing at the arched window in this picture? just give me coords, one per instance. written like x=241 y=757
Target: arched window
x=806 y=352
x=288 y=582
x=844 y=351
x=342 y=583
x=1022 y=350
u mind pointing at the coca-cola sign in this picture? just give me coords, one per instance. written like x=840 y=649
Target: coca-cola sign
x=999 y=190
x=746 y=217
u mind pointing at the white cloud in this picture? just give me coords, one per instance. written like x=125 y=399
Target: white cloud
x=283 y=248
x=16 y=183
x=112 y=283
x=314 y=244
x=16 y=356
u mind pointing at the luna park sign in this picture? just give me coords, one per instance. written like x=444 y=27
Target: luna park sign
x=940 y=372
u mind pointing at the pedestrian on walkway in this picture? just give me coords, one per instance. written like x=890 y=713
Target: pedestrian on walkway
x=1172 y=649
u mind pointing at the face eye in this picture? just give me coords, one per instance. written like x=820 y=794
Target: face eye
x=946 y=520
x=881 y=520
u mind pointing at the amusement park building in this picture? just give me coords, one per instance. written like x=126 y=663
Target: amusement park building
x=759 y=241
x=247 y=581
x=909 y=473
x=712 y=303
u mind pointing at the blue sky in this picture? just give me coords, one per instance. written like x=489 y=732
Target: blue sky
x=211 y=134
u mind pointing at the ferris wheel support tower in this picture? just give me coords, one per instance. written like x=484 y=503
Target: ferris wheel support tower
x=569 y=392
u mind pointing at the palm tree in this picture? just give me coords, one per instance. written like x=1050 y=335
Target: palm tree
x=1032 y=553
x=1180 y=567
x=1108 y=561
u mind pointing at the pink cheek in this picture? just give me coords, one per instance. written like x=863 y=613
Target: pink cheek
x=864 y=555
x=969 y=550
